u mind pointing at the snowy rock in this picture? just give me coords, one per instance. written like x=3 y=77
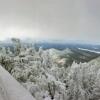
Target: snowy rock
x=11 y=89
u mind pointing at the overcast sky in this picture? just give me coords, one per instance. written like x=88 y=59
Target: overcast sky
x=50 y=19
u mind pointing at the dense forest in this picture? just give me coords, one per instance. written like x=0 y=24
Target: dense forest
x=52 y=74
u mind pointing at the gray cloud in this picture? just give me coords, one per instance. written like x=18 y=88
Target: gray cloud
x=59 y=19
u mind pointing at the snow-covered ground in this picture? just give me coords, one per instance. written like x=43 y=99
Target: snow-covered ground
x=47 y=75
x=98 y=52
x=10 y=89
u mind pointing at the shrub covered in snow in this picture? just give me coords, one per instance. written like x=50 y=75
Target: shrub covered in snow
x=46 y=74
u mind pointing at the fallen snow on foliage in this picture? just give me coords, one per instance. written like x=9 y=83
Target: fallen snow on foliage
x=45 y=74
x=10 y=89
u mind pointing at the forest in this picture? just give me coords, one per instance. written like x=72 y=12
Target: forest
x=52 y=74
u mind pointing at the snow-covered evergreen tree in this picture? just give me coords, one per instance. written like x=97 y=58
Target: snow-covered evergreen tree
x=46 y=74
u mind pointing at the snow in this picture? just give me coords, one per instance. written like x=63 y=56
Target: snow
x=10 y=89
x=98 y=52
x=42 y=75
